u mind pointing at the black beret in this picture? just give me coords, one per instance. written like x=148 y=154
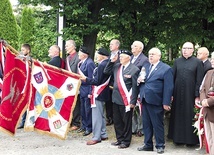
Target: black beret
x=125 y=52
x=103 y=51
x=84 y=50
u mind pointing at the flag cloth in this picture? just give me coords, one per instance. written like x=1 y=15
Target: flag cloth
x=54 y=94
x=14 y=97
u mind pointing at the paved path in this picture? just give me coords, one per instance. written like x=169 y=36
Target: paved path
x=33 y=143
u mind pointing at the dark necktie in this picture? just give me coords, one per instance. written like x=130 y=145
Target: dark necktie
x=150 y=69
x=123 y=68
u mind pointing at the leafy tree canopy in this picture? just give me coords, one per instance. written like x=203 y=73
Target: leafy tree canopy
x=168 y=23
x=8 y=25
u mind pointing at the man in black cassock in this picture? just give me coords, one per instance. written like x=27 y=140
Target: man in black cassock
x=188 y=75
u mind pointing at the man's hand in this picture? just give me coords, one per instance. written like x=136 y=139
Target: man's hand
x=114 y=58
x=132 y=105
x=83 y=78
x=140 y=79
x=167 y=107
x=205 y=103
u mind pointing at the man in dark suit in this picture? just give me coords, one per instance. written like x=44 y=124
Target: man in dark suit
x=155 y=95
x=203 y=54
x=124 y=96
x=54 y=54
x=72 y=61
x=85 y=68
x=114 y=48
x=139 y=60
x=100 y=94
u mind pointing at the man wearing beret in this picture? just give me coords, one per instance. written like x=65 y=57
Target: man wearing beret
x=100 y=94
x=85 y=68
x=124 y=96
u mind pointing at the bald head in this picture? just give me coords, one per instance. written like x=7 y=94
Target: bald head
x=203 y=53
x=54 y=51
x=154 y=55
x=187 y=49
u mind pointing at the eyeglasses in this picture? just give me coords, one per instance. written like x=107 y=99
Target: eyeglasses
x=187 y=48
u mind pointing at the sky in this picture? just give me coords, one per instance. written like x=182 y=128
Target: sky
x=14 y=2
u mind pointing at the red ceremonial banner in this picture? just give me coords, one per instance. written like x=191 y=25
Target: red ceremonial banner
x=15 y=96
x=54 y=94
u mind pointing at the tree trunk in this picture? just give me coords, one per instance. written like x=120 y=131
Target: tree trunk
x=90 y=42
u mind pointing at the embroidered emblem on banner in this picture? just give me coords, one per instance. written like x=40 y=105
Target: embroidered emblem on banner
x=48 y=101
x=57 y=124
x=70 y=87
x=38 y=77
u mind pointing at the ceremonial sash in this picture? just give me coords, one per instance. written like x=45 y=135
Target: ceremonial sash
x=96 y=90
x=2 y=57
x=79 y=70
x=2 y=63
x=28 y=75
x=201 y=135
x=125 y=94
x=1 y=83
x=68 y=66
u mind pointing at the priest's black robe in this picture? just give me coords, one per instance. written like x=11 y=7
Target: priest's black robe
x=188 y=75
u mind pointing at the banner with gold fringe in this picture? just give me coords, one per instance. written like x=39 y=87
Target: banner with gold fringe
x=15 y=96
x=54 y=94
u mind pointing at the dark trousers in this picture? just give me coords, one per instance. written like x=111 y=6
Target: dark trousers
x=22 y=123
x=86 y=113
x=153 y=122
x=109 y=108
x=76 y=114
x=122 y=124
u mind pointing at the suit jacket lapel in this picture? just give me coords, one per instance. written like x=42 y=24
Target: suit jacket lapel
x=155 y=69
x=82 y=67
x=137 y=60
x=127 y=69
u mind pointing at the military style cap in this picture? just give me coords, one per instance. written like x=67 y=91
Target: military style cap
x=126 y=52
x=84 y=50
x=103 y=51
